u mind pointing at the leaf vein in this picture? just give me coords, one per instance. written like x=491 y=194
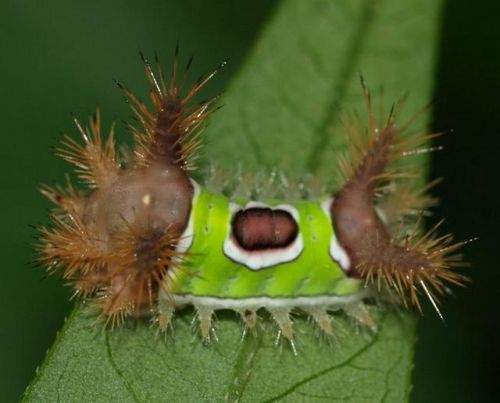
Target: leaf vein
x=118 y=371
x=325 y=371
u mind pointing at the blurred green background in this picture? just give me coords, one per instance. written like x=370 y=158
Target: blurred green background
x=60 y=56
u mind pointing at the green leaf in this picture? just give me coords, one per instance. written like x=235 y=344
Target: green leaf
x=134 y=364
x=282 y=110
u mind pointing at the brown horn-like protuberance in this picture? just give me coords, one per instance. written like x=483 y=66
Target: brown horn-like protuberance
x=171 y=132
x=117 y=241
x=407 y=263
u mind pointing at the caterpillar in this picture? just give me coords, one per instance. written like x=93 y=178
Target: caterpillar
x=145 y=239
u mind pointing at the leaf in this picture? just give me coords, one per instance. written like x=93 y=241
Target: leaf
x=134 y=364
x=282 y=110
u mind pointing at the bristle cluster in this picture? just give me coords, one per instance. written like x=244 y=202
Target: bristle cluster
x=263 y=185
x=375 y=213
x=122 y=276
x=413 y=265
x=377 y=151
x=116 y=241
x=172 y=130
x=136 y=271
x=95 y=160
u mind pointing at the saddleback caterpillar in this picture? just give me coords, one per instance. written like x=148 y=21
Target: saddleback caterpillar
x=144 y=239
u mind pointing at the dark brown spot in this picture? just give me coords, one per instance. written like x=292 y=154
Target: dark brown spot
x=261 y=228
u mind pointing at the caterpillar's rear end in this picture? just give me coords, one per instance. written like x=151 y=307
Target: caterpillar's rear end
x=145 y=239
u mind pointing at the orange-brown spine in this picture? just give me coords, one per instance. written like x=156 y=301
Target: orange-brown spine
x=405 y=263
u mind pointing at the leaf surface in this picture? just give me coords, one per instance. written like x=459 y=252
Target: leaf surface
x=135 y=364
x=282 y=110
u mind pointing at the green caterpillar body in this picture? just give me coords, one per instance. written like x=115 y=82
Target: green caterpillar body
x=313 y=272
x=307 y=278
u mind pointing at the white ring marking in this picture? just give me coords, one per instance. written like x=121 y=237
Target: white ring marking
x=261 y=259
x=336 y=251
x=187 y=237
